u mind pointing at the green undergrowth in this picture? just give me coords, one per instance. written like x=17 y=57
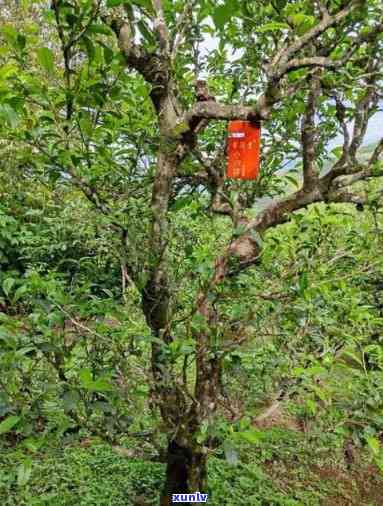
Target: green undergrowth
x=75 y=475
x=285 y=469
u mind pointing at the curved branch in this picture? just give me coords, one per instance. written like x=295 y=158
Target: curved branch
x=308 y=134
x=280 y=62
x=160 y=27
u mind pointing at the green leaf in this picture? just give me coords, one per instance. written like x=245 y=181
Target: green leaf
x=303 y=282
x=337 y=151
x=24 y=472
x=298 y=371
x=7 y=285
x=100 y=28
x=374 y=444
x=86 y=126
x=181 y=202
x=9 y=114
x=19 y=293
x=9 y=33
x=252 y=436
x=223 y=13
x=46 y=59
x=146 y=33
x=48 y=348
x=377 y=167
x=108 y=54
x=98 y=385
x=89 y=47
x=7 y=70
x=86 y=376
x=70 y=400
x=240 y=230
x=21 y=41
x=115 y=3
x=7 y=424
x=311 y=407
x=353 y=357
x=33 y=444
x=273 y=27
x=297 y=19
x=302 y=22
x=146 y=4
x=257 y=237
x=292 y=180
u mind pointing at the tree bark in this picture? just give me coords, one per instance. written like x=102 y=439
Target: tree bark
x=186 y=472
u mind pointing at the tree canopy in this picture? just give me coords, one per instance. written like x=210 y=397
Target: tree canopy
x=135 y=275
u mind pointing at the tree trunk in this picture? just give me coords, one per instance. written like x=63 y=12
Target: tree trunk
x=185 y=472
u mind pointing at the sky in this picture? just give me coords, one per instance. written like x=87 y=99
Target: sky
x=375 y=126
x=373 y=134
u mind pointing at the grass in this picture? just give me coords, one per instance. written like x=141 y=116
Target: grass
x=288 y=469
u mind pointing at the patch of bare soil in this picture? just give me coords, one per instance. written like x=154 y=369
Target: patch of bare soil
x=354 y=482
x=362 y=487
x=277 y=416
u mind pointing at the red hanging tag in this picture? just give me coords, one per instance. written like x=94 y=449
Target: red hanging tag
x=243 y=149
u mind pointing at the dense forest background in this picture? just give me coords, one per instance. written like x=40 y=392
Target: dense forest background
x=164 y=329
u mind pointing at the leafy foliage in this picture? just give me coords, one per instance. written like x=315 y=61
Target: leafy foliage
x=95 y=236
